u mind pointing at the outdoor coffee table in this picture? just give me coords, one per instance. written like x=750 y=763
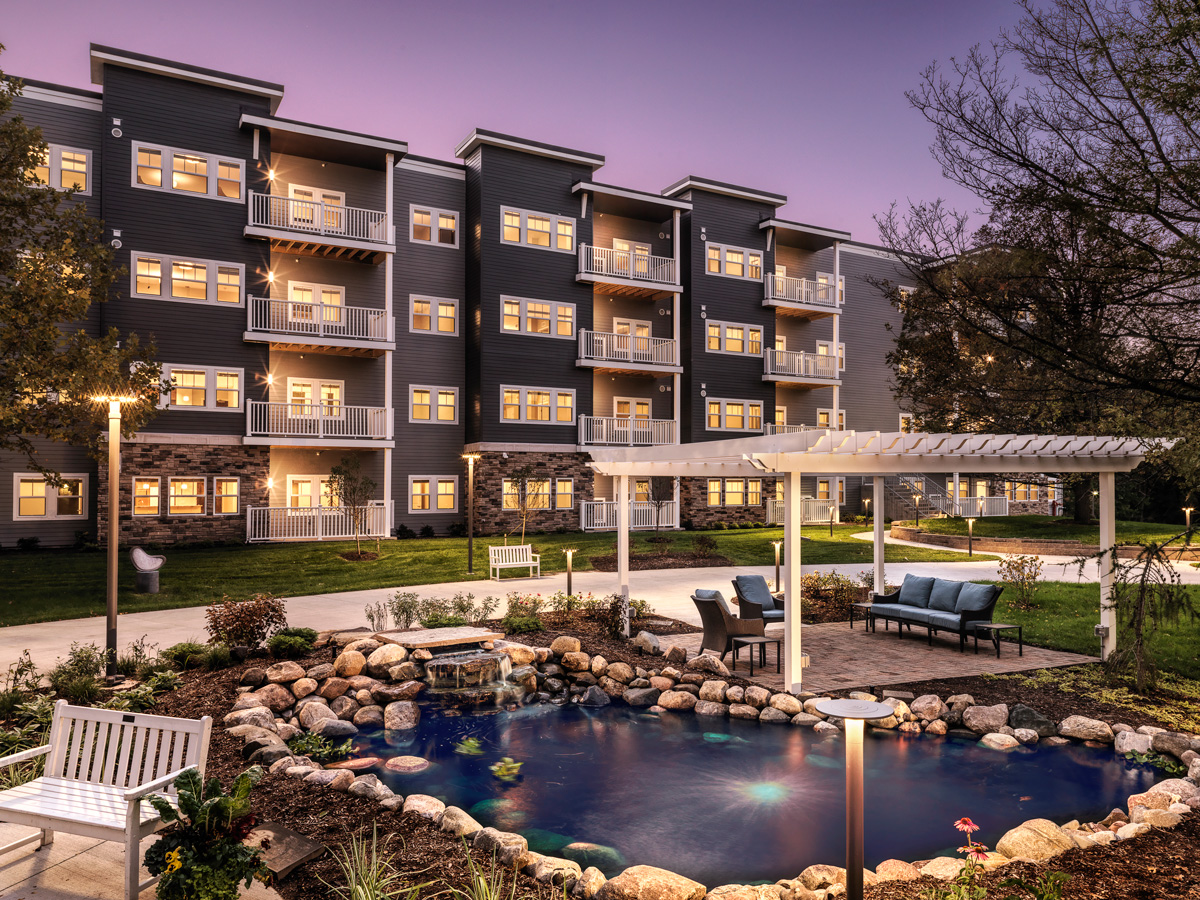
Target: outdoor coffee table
x=753 y=641
x=995 y=628
x=866 y=608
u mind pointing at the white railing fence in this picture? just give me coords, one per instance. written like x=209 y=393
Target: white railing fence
x=316 y=420
x=625 y=431
x=316 y=523
x=800 y=290
x=936 y=499
x=812 y=511
x=626 y=264
x=601 y=515
x=800 y=364
x=604 y=345
x=318 y=319
x=313 y=217
x=772 y=428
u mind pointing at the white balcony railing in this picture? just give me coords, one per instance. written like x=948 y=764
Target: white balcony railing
x=800 y=290
x=800 y=364
x=325 y=219
x=772 y=428
x=604 y=346
x=978 y=507
x=319 y=320
x=812 y=511
x=601 y=515
x=624 y=431
x=626 y=264
x=317 y=420
x=318 y=523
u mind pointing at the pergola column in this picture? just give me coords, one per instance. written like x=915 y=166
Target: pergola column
x=878 y=547
x=793 y=510
x=1108 y=560
x=623 y=540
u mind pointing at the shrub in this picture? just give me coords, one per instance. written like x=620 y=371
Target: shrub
x=28 y=543
x=405 y=608
x=76 y=678
x=612 y=615
x=320 y=749
x=369 y=874
x=19 y=684
x=441 y=620
x=704 y=546
x=523 y=614
x=246 y=623
x=427 y=531
x=185 y=655
x=80 y=690
x=1020 y=574
x=457 y=529
x=136 y=661
x=522 y=624
x=377 y=615
x=288 y=646
x=403 y=532
x=640 y=609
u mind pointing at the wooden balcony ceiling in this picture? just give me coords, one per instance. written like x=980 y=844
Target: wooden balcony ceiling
x=300 y=346
x=800 y=311
x=648 y=291
x=311 y=245
x=802 y=382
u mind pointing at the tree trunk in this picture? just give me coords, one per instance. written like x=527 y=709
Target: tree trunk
x=1082 y=491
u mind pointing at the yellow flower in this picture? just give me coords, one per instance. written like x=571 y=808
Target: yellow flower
x=173 y=862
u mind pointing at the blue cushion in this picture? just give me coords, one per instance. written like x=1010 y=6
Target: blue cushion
x=944 y=594
x=754 y=588
x=772 y=615
x=975 y=597
x=705 y=594
x=915 y=591
x=939 y=619
x=900 y=611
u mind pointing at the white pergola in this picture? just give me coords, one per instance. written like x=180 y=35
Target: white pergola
x=877 y=454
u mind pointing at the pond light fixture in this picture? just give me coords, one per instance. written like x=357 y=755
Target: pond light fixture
x=971 y=536
x=853 y=712
x=114 y=526
x=777 y=545
x=570 y=554
x=471 y=459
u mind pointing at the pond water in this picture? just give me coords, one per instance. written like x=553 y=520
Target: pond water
x=727 y=801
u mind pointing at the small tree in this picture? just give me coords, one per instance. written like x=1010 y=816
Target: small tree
x=662 y=492
x=354 y=492
x=521 y=498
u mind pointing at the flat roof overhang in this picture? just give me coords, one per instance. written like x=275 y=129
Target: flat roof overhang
x=331 y=144
x=805 y=237
x=631 y=204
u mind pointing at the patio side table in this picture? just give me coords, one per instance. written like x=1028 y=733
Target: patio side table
x=866 y=609
x=761 y=643
x=995 y=628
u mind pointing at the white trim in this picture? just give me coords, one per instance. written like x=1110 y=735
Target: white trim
x=777 y=419
x=158 y=496
x=210 y=388
x=860 y=250
x=587 y=187
x=841 y=289
x=828 y=345
x=554 y=483
x=523 y=318
x=212 y=282
x=203 y=479
x=237 y=495
x=836 y=487
x=434 y=390
x=688 y=184
x=54 y=168
x=316 y=402
x=524 y=405
x=474 y=139
x=99 y=57
x=166 y=158
x=523 y=228
x=724 y=249
x=317 y=482
x=50 y=495
x=434 y=481
x=434 y=227
x=64 y=98
x=836 y=423
x=785 y=225
x=747 y=328
x=425 y=168
x=633 y=402
x=271 y=123
x=433 y=315
x=725 y=401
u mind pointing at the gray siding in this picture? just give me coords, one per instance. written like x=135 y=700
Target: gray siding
x=606 y=386
x=50 y=532
x=287 y=461
x=364 y=188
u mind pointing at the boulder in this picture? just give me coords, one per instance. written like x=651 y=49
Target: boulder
x=825 y=729
x=314 y=713
x=713 y=691
x=1132 y=742
x=344 y=707
x=937 y=726
x=820 y=876
x=709 y=708
x=1035 y=839
x=943 y=867
x=362 y=682
x=929 y=706
x=564 y=644
x=359 y=764
x=1171 y=743
x=599 y=666
x=302 y=687
x=250 y=732
x=510 y=850
x=896 y=870
x=742 y=711
x=553 y=870
x=1132 y=829
x=676 y=655
x=985 y=719
x=745 y=892
x=381 y=661
x=424 y=806
x=757 y=696
x=320 y=672
x=274 y=697
x=1023 y=716
x=1025 y=735
x=253 y=677
x=423 y=655
x=650 y=883
x=595 y=697
x=1177 y=787
x=287 y=732
x=587 y=884
x=805 y=719
x=395 y=803
x=619 y=671
x=406 y=671
x=810 y=706
x=642 y=697
x=250 y=700
x=871 y=698
x=384 y=694
x=369 y=717
x=786 y=703
x=910 y=728
x=1151 y=799
x=794 y=889
x=333 y=687
x=960 y=700
x=458 y=822
x=663 y=684
x=259 y=716
x=520 y=654
x=647 y=643
x=576 y=662
x=774 y=716
x=338 y=779
x=710 y=665
x=1160 y=818
x=401 y=715
x=611 y=686
x=349 y=662
x=735 y=693
x=365 y=646
x=1194 y=770
x=334 y=729
x=677 y=700
x=283 y=672
x=588 y=854
x=369 y=786
x=998 y=741
x=1081 y=728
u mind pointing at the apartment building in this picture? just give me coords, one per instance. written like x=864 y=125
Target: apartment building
x=318 y=295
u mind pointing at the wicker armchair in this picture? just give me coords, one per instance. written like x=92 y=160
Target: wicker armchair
x=720 y=625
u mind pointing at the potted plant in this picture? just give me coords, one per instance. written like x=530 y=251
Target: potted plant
x=200 y=856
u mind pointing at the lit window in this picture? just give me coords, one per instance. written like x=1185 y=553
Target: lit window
x=537 y=317
x=823 y=417
x=714 y=337
x=735 y=492
x=421 y=318
x=447 y=406
x=73 y=170
x=841 y=488
x=754 y=418
x=41 y=171
x=447 y=494
x=512 y=227
x=192 y=280
x=566 y=234
x=754 y=266
x=422 y=230
x=433 y=226
x=734 y=337
x=447 y=317
x=447 y=228
x=538 y=494
x=566 y=320
x=735 y=415
x=420 y=494
x=149 y=167
x=714 y=260
x=541 y=230
x=420 y=405
x=145 y=496
x=823 y=489
x=537 y=406
x=229 y=180
x=187 y=388
x=714 y=492
x=714 y=414
x=185 y=497
x=754 y=341
x=537 y=231
x=190 y=387
x=781 y=415
x=31 y=498
x=734 y=262
x=906 y=423
x=225 y=496
x=149 y=276
x=754 y=492
x=510 y=495
x=189 y=281
x=512 y=405
x=512 y=315
x=564 y=493
x=189 y=173
x=229 y=390
x=734 y=266
x=565 y=406
x=534 y=405
x=229 y=285
x=826 y=279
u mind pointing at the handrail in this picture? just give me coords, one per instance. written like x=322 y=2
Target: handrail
x=799 y=363
x=800 y=290
x=316 y=420
x=601 y=515
x=626 y=264
x=609 y=346
x=268 y=314
x=316 y=523
x=772 y=428
x=812 y=510
x=313 y=217
x=626 y=431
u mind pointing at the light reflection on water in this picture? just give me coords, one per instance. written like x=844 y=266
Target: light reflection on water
x=726 y=801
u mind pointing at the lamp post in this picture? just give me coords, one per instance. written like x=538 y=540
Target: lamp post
x=867 y=503
x=570 y=558
x=971 y=537
x=917 y=507
x=777 y=545
x=853 y=712
x=114 y=529
x=470 y=458
x=1187 y=511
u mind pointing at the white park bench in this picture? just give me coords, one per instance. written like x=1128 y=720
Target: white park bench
x=516 y=556
x=100 y=765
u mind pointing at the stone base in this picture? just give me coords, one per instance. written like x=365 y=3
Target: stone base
x=493 y=468
x=695 y=512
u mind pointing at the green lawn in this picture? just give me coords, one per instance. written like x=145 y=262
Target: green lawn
x=48 y=585
x=1048 y=527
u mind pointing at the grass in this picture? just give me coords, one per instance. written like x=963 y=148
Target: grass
x=1049 y=528
x=49 y=585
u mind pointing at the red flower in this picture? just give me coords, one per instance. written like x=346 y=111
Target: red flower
x=977 y=852
x=965 y=824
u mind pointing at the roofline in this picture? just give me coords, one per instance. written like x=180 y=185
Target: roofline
x=61 y=93
x=429 y=166
x=809 y=229
x=689 y=182
x=322 y=131
x=100 y=55
x=510 y=142
x=613 y=191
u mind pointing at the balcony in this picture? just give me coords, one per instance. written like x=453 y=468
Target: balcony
x=772 y=428
x=632 y=353
x=800 y=369
x=812 y=511
x=311 y=228
x=627 y=272
x=800 y=297
x=601 y=515
x=317 y=425
x=319 y=523
x=319 y=327
x=624 y=431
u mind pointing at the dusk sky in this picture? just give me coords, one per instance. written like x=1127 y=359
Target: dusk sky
x=801 y=98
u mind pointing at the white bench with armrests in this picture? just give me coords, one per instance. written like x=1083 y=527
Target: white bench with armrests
x=515 y=556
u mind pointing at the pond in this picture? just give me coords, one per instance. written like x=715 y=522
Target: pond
x=726 y=801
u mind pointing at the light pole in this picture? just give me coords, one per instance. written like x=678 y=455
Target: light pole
x=867 y=502
x=777 y=545
x=470 y=458
x=114 y=529
x=970 y=537
x=917 y=507
x=1187 y=511
x=853 y=712
x=570 y=551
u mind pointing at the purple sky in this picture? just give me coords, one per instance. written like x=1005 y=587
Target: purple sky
x=797 y=97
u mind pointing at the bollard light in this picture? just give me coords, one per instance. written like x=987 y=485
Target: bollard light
x=570 y=552
x=853 y=712
x=917 y=507
x=777 y=545
x=114 y=528
x=867 y=503
x=970 y=537
x=1187 y=511
x=470 y=458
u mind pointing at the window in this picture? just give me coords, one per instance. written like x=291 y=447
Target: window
x=33 y=498
x=734 y=415
x=734 y=337
x=781 y=415
x=564 y=493
x=520 y=315
x=428 y=225
x=65 y=168
x=204 y=387
x=432 y=315
x=534 y=229
x=824 y=348
x=225 y=496
x=825 y=417
x=433 y=493
x=310 y=491
x=754 y=496
x=714 y=492
x=185 y=497
x=510 y=495
x=433 y=403
x=906 y=423
x=826 y=278
x=189 y=280
x=538 y=493
x=537 y=405
x=823 y=489
x=735 y=492
x=145 y=496
x=199 y=174
x=734 y=262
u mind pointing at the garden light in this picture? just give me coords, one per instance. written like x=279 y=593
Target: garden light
x=470 y=458
x=970 y=537
x=570 y=552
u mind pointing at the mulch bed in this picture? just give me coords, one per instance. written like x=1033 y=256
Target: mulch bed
x=670 y=560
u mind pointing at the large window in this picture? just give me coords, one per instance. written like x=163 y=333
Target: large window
x=521 y=315
x=733 y=262
x=432 y=315
x=186 y=497
x=65 y=168
x=537 y=405
x=214 y=388
x=734 y=415
x=159 y=168
x=35 y=499
x=145 y=497
x=534 y=229
x=733 y=337
x=158 y=277
x=824 y=348
x=564 y=493
x=734 y=492
x=225 y=496
x=826 y=278
x=430 y=403
x=537 y=493
x=432 y=493
x=308 y=397
x=428 y=225
x=825 y=419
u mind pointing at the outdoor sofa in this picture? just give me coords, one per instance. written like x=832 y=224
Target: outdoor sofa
x=938 y=605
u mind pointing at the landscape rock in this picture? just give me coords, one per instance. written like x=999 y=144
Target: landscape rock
x=249 y=732
x=708 y=664
x=820 y=876
x=1151 y=799
x=510 y=849
x=320 y=672
x=393 y=803
x=871 y=698
x=805 y=719
x=985 y=719
x=1159 y=818
x=458 y=822
x=1132 y=830
x=1081 y=728
x=774 y=716
x=663 y=684
x=960 y=700
x=786 y=703
x=937 y=726
x=757 y=696
x=564 y=644
x=709 y=708
x=588 y=854
x=896 y=870
x=647 y=643
x=810 y=706
x=406 y=671
x=333 y=687
x=1132 y=742
x=1034 y=839
x=365 y=646
x=286 y=671
x=1179 y=787
x=314 y=713
x=713 y=691
x=650 y=883
x=678 y=700
x=1023 y=716
x=381 y=661
x=595 y=697
x=334 y=729
x=825 y=728
x=1026 y=735
x=611 y=686
x=899 y=695
x=338 y=779
x=401 y=715
x=424 y=806
x=302 y=687
x=676 y=655
x=259 y=716
x=642 y=697
x=422 y=655
x=253 y=677
x=369 y=717
x=520 y=654
x=576 y=662
x=384 y=694
x=742 y=711
x=349 y=662
x=943 y=867
x=587 y=884
x=929 y=706
x=599 y=666
x=369 y=786
x=553 y=870
x=999 y=741
x=1171 y=743
x=735 y=693
x=745 y=892
x=620 y=671
x=358 y=764
x=344 y=707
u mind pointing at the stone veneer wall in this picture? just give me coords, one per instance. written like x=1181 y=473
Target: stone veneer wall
x=493 y=468
x=1039 y=507
x=163 y=461
x=694 y=508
